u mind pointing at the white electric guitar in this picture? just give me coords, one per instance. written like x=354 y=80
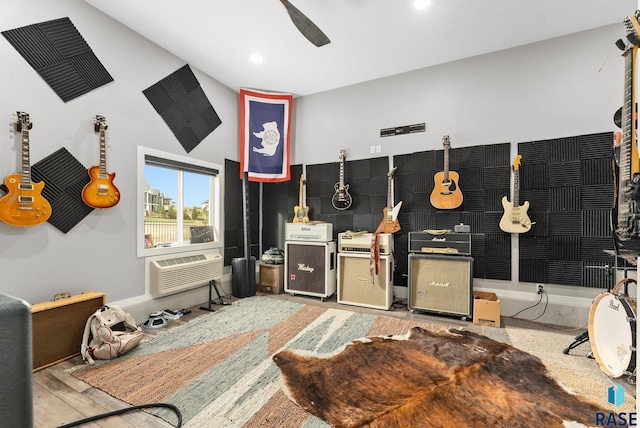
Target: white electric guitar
x=515 y=218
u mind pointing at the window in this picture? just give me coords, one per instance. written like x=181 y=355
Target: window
x=179 y=208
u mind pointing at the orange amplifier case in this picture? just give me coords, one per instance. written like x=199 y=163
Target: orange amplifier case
x=58 y=327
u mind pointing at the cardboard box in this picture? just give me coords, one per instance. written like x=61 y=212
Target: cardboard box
x=486 y=309
x=271 y=279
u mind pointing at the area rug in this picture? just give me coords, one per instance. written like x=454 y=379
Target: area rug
x=219 y=371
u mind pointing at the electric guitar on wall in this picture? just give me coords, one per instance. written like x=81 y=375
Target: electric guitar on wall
x=515 y=218
x=24 y=204
x=341 y=198
x=446 y=193
x=390 y=222
x=301 y=211
x=100 y=192
x=627 y=219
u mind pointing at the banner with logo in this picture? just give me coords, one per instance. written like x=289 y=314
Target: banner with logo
x=265 y=120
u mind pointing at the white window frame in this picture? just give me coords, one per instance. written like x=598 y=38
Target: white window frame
x=215 y=206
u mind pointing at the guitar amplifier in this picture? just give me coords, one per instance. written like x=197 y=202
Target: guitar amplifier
x=441 y=284
x=310 y=268
x=315 y=232
x=361 y=243
x=444 y=243
x=357 y=287
x=58 y=327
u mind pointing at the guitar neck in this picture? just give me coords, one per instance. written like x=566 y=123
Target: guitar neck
x=103 y=153
x=516 y=188
x=341 y=174
x=628 y=133
x=26 y=165
x=446 y=163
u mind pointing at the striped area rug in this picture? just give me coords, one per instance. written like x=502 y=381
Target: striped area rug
x=217 y=369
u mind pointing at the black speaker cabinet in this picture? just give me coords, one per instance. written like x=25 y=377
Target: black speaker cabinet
x=16 y=396
x=356 y=285
x=441 y=284
x=310 y=268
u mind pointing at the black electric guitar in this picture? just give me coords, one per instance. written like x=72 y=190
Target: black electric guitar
x=24 y=204
x=390 y=223
x=341 y=198
x=301 y=211
x=627 y=219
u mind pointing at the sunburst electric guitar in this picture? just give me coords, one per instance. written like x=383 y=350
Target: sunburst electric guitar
x=301 y=211
x=341 y=198
x=390 y=223
x=515 y=218
x=446 y=193
x=24 y=204
x=100 y=192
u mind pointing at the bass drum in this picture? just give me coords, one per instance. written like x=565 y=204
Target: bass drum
x=612 y=332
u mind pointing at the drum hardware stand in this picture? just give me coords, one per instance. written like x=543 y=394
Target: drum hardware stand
x=213 y=285
x=584 y=336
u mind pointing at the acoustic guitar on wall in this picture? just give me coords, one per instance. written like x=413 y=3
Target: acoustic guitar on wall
x=446 y=193
x=100 y=192
x=390 y=223
x=515 y=218
x=24 y=204
x=301 y=211
x=341 y=198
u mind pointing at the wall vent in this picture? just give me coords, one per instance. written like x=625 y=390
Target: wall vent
x=177 y=274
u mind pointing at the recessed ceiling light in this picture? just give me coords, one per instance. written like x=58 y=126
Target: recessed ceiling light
x=257 y=58
x=421 y=4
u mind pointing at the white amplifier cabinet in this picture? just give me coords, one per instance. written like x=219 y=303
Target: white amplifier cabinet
x=441 y=284
x=348 y=243
x=310 y=268
x=314 y=232
x=355 y=284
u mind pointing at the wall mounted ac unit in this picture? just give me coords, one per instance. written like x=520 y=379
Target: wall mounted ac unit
x=170 y=276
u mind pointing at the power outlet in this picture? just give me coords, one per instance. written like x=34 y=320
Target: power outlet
x=539 y=288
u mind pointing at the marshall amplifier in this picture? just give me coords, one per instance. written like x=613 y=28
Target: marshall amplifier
x=445 y=243
x=310 y=268
x=357 y=287
x=441 y=284
x=315 y=232
x=361 y=243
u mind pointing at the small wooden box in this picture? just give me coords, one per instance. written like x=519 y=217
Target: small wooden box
x=271 y=279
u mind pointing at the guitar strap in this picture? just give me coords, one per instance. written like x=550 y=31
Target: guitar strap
x=374 y=261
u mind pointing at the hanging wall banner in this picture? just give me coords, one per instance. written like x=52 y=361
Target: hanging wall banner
x=265 y=119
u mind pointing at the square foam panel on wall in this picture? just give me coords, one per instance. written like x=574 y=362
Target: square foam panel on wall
x=181 y=102
x=61 y=56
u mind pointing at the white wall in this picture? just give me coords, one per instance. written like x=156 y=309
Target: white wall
x=100 y=252
x=562 y=87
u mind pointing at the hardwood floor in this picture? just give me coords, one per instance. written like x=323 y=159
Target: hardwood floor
x=60 y=399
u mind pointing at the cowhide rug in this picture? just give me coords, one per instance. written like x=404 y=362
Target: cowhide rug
x=452 y=378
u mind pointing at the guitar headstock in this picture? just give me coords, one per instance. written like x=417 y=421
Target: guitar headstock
x=342 y=155
x=633 y=28
x=446 y=142
x=302 y=180
x=516 y=163
x=100 y=123
x=22 y=121
x=391 y=171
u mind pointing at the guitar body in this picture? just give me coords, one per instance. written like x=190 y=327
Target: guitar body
x=446 y=194
x=301 y=214
x=515 y=219
x=341 y=199
x=100 y=192
x=23 y=206
x=388 y=225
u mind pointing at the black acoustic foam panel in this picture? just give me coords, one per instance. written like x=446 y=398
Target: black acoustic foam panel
x=57 y=51
x=181 y=102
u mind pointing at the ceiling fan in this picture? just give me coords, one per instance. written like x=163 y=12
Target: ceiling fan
x=305 y=25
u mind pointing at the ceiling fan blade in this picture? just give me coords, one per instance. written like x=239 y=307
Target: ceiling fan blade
x=305 y=25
